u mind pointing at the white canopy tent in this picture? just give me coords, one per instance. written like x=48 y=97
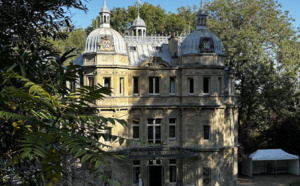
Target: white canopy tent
x=270 y=161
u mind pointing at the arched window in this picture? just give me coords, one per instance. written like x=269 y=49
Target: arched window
x=104 y=19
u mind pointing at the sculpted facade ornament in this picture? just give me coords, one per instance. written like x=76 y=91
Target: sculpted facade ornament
x=106 y=45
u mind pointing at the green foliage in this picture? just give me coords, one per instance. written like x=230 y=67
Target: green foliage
x=45 y=124
x=75 y=39
x=263 y=46
x=119 y=19
x=42 y=120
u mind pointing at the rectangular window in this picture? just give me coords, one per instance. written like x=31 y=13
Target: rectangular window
x=154 y=85
x=136 y=171
x=172 y=166
x=135 y=129
x=154 y=130
x=121 y=86
x=106 y=82
x=132 y=48
x=172 y=128
x=206 y=131
x=135 y=85
x=190 y=85
x=206 y=86
x=91 y=81
x=172 y=85
x=206 y=176
x=220 y=86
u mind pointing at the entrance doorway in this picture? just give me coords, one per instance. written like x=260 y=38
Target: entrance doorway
x=155 y=176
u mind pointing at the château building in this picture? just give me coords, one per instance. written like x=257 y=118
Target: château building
x=176 y=93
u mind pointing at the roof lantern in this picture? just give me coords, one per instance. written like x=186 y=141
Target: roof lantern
x=104 y=16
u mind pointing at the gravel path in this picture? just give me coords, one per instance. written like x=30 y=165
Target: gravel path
x=267 y=180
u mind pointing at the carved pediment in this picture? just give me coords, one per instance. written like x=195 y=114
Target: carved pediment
x=155 y=63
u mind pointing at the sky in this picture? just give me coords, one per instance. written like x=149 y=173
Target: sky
x=81 y=19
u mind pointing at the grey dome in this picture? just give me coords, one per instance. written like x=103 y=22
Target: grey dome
x=104 y=9
x=201 y=12
x=96 y=36
x=192 y=43
x=138 y=22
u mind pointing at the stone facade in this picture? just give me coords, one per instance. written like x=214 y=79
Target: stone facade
x=182 y=105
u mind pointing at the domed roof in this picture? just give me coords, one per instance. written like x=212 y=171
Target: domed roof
x=104 y=9
x=201 y=12
x=138 y=22
x=96 y=36
x=194 y=43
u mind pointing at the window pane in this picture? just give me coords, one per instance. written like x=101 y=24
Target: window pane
x=136 y=173
x=121 y=85
x=172 y=120
x=157 y=134
x=150 y=121
x=172 y=173
x=191 y=85
x=150 y=134
x=172 y=85
x=206 y=85
x=172 y=131
x=135 y=85
x=136 y=133
x=172 y=161
x=136 y=162
x=206 y=176
x=151 y=85
x=157 y=85
x=158 y=121
x=206 y=130
x=107 y=82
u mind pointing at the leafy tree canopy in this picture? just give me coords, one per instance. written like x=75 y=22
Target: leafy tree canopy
x=42 y=120
x=261 y=43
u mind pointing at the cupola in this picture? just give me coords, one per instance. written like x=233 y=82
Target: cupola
x=138 y=26
x=202 y=40
x=104 y=16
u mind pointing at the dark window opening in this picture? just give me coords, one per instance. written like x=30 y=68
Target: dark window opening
x=106 y=82
x=135 y=85
x=206 y=131
x=172 y=128
x=191 y=85
x=132 y=48
x=121 y=86
x=135 y=129
x=172 y=165
x=206 y=85
x=172 y=85
x=153 y=85
x=154 y=130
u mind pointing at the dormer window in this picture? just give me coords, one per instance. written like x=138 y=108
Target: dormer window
x=132 y=48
